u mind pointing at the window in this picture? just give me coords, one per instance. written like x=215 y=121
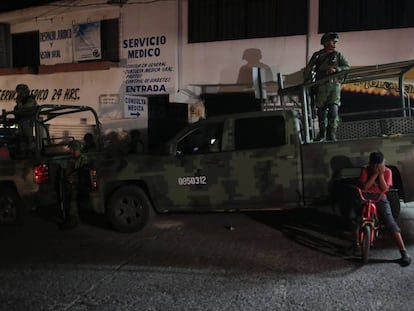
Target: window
x=205 y=139
x=25 y=47
x=216 y=20
x=110 y=40
x=354 y=15
x=26 y=51
x=263 y=132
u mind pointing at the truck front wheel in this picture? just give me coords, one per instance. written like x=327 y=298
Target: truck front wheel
x=129 y=209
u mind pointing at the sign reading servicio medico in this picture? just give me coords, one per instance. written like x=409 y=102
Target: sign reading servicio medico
x=149 y=51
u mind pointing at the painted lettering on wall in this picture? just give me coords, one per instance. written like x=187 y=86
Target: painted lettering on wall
x=45 y=95
x=147 y=70
x=140 y=78
x=59 y=34
x=136 y=107
x=144 y=47
x=48 y=46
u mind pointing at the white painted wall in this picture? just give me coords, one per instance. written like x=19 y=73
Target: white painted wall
x=190 y=64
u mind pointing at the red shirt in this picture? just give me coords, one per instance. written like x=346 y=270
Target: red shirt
x=364 y=176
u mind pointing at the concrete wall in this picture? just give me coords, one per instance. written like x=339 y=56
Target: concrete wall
x=180 y=69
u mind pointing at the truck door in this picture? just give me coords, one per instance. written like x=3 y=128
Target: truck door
x=265 y=163
x=195 y=181
x=250 y=165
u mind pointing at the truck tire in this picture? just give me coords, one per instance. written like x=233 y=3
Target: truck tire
x=129 y=209
x=395 y=203
x=10 y=205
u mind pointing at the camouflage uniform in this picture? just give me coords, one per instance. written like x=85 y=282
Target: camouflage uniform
x=136 y=145
x=24 y=111
x=75 y=189
x=327 y=95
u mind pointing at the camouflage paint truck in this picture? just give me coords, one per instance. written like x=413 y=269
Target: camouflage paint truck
x=257 y=161
x=248 y=161
x=238 y=162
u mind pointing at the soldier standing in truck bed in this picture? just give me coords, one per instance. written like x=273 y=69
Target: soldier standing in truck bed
x=323 y=63
x=24 y=112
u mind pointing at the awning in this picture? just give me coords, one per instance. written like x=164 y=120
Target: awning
x=379 y=87
x=388 y=85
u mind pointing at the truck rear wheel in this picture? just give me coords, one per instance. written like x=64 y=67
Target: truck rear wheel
x=10 y=205
x=129 y=209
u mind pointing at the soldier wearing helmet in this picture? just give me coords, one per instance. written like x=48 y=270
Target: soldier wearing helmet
x=323 y=63
x=75 y=190
x=24 y=111
x=328 y=37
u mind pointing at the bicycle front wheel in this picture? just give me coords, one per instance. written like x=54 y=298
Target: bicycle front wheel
x=365 y=242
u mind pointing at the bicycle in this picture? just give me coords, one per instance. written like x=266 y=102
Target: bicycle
x=369 y=225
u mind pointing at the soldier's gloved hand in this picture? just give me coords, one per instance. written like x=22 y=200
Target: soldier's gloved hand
x=331 y=70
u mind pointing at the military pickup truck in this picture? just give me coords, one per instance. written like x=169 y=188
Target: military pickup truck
x=261 y=160
x=238 y=162
x=242 y=162
x=29 y=166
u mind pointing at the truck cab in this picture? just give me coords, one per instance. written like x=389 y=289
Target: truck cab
x=245 y=161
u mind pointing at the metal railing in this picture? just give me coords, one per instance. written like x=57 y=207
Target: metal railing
x=299 y=94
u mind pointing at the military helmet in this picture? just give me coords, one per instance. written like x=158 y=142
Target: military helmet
x=22 y=89
x=75 y=145
x=329 y=36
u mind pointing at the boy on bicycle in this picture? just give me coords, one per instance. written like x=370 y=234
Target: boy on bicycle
x=377 y=178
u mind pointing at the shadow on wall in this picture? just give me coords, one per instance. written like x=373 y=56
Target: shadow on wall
x=253 y=58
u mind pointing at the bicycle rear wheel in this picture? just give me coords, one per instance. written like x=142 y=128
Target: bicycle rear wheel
x=365 y=242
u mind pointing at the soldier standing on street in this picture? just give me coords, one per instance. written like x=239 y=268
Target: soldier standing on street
x=323 y=63
x=75 y=188
x=24 y=112
x=88 y=143
x=136 y=145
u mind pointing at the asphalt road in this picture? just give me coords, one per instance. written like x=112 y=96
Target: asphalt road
x=256 y=261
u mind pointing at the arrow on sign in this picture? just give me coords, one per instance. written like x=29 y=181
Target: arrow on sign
x=135 y=114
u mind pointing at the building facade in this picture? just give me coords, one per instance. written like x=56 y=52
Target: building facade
x=118 y=56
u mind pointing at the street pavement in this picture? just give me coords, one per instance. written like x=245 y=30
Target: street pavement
x=297 y=260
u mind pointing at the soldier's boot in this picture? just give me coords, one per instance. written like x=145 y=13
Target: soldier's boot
x=331 y=135
x=72 y=216
x=321 y=135
x=322 y=132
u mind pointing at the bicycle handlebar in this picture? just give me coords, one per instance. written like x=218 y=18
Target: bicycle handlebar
x=361 y=193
